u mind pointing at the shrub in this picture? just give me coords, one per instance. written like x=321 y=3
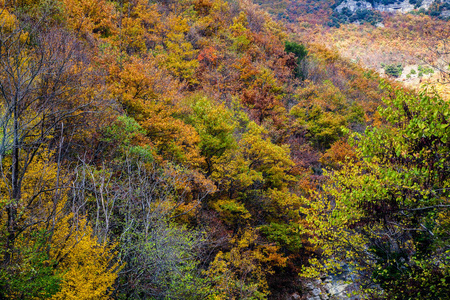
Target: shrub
x=394 y=70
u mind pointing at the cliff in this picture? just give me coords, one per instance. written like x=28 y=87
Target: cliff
x=402 y=6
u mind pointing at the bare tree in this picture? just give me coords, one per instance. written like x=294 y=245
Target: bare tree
x=438 y=54
x=41 y=76
x=134 y=202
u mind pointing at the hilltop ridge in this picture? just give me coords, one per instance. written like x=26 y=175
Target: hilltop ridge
x=336 y=12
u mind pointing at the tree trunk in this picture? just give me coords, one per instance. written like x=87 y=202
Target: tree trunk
x=15 y=194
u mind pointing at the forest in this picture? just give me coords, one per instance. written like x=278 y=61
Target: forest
x=208 y=149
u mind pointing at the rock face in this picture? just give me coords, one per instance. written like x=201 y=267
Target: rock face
x=333 y=287
x=354 y=5
x=329 y=289
x=401 y=6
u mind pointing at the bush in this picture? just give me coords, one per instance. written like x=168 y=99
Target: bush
x=394 y=70
x=300 y=53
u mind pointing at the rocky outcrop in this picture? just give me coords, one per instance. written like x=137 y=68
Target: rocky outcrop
x=329 y=289
x=354 y=5
x=401 y=6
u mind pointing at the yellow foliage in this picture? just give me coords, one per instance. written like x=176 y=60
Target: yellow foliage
x=233 y=169
x=271 y=160
x=232 y=211
x=178 y=55
x=240 y=24
x=150 y=96
x=284 y=203
x=212 y=17
x=241 y=272
x=8 y=21
x=141 y=26
x=328 y=223
x=39 y=179
x=86 y=264
x=91 y=16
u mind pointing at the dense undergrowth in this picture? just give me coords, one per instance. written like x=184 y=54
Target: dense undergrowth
x=176 y=150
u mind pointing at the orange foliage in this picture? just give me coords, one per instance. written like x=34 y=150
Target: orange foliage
x=150 y=96
x=89 y=17
x=338 y=154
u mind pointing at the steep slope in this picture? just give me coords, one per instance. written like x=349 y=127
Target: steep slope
x=376 y=34
x=167 y=149
x=334 y=13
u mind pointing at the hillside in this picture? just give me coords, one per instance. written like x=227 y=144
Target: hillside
x=376 y=34
x=201 y=149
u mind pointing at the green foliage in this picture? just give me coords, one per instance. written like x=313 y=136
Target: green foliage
x=299 y=50
x=122 y=135
x=300 y=53
x=393 y=70
x=232 y=212
x=215 y=126
x=325 y=127
x=142 y=153
x=122 y=131
x=393 y=201
x=425 y=70
x=324 y=110
x=164 y=263
x=33 y=276
x=284 y=235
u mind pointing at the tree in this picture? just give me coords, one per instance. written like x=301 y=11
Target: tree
x=27 y=265
x=300 y=52
x=152 y=97
x=179 y=56
x=161 y=263
x=388 y=219
x=215 y=126
x=55 y=253
x=88 y=267
x=140 y=27
x=41 y=74
x=89 y=17
x=263 y=95
x=323 y=110
x=241 y=272
x=139 y=202
x=393 y=70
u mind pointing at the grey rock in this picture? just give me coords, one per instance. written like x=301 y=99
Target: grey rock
x=313 y=298
x=296 y=296
x=401 y=6
x=315 y=292
x=353 y=5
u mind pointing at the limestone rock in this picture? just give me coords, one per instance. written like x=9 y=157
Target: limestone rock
x=296 y=296
x=353 y=5
x=401 y=6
